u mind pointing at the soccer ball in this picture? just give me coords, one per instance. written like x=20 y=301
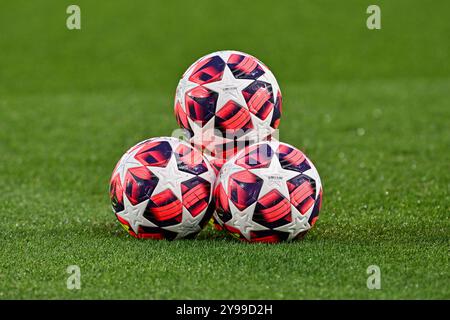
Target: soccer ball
x=268 y=192
x=162 y=188
x=227 y=100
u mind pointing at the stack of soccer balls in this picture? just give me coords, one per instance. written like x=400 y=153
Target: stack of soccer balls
x=229 y=166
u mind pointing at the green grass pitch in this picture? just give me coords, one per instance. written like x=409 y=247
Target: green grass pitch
x=369 y=107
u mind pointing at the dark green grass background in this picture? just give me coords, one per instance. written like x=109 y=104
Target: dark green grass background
x=370 y=108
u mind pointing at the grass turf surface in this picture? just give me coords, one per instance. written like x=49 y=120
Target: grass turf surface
x=370 y=108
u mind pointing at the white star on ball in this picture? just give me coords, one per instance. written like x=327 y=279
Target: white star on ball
x=243 y=220
x=224 y=55
x=185 y=85
x=188 y=224
x=261 y=128
x=203 y=135
x=127 y=162
x=270 y=79
x=275 y=177
x=228 y=169
x=229 y=88
x=134 y=214
x=298 y=224
x=313 y=174
x=170 y=177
